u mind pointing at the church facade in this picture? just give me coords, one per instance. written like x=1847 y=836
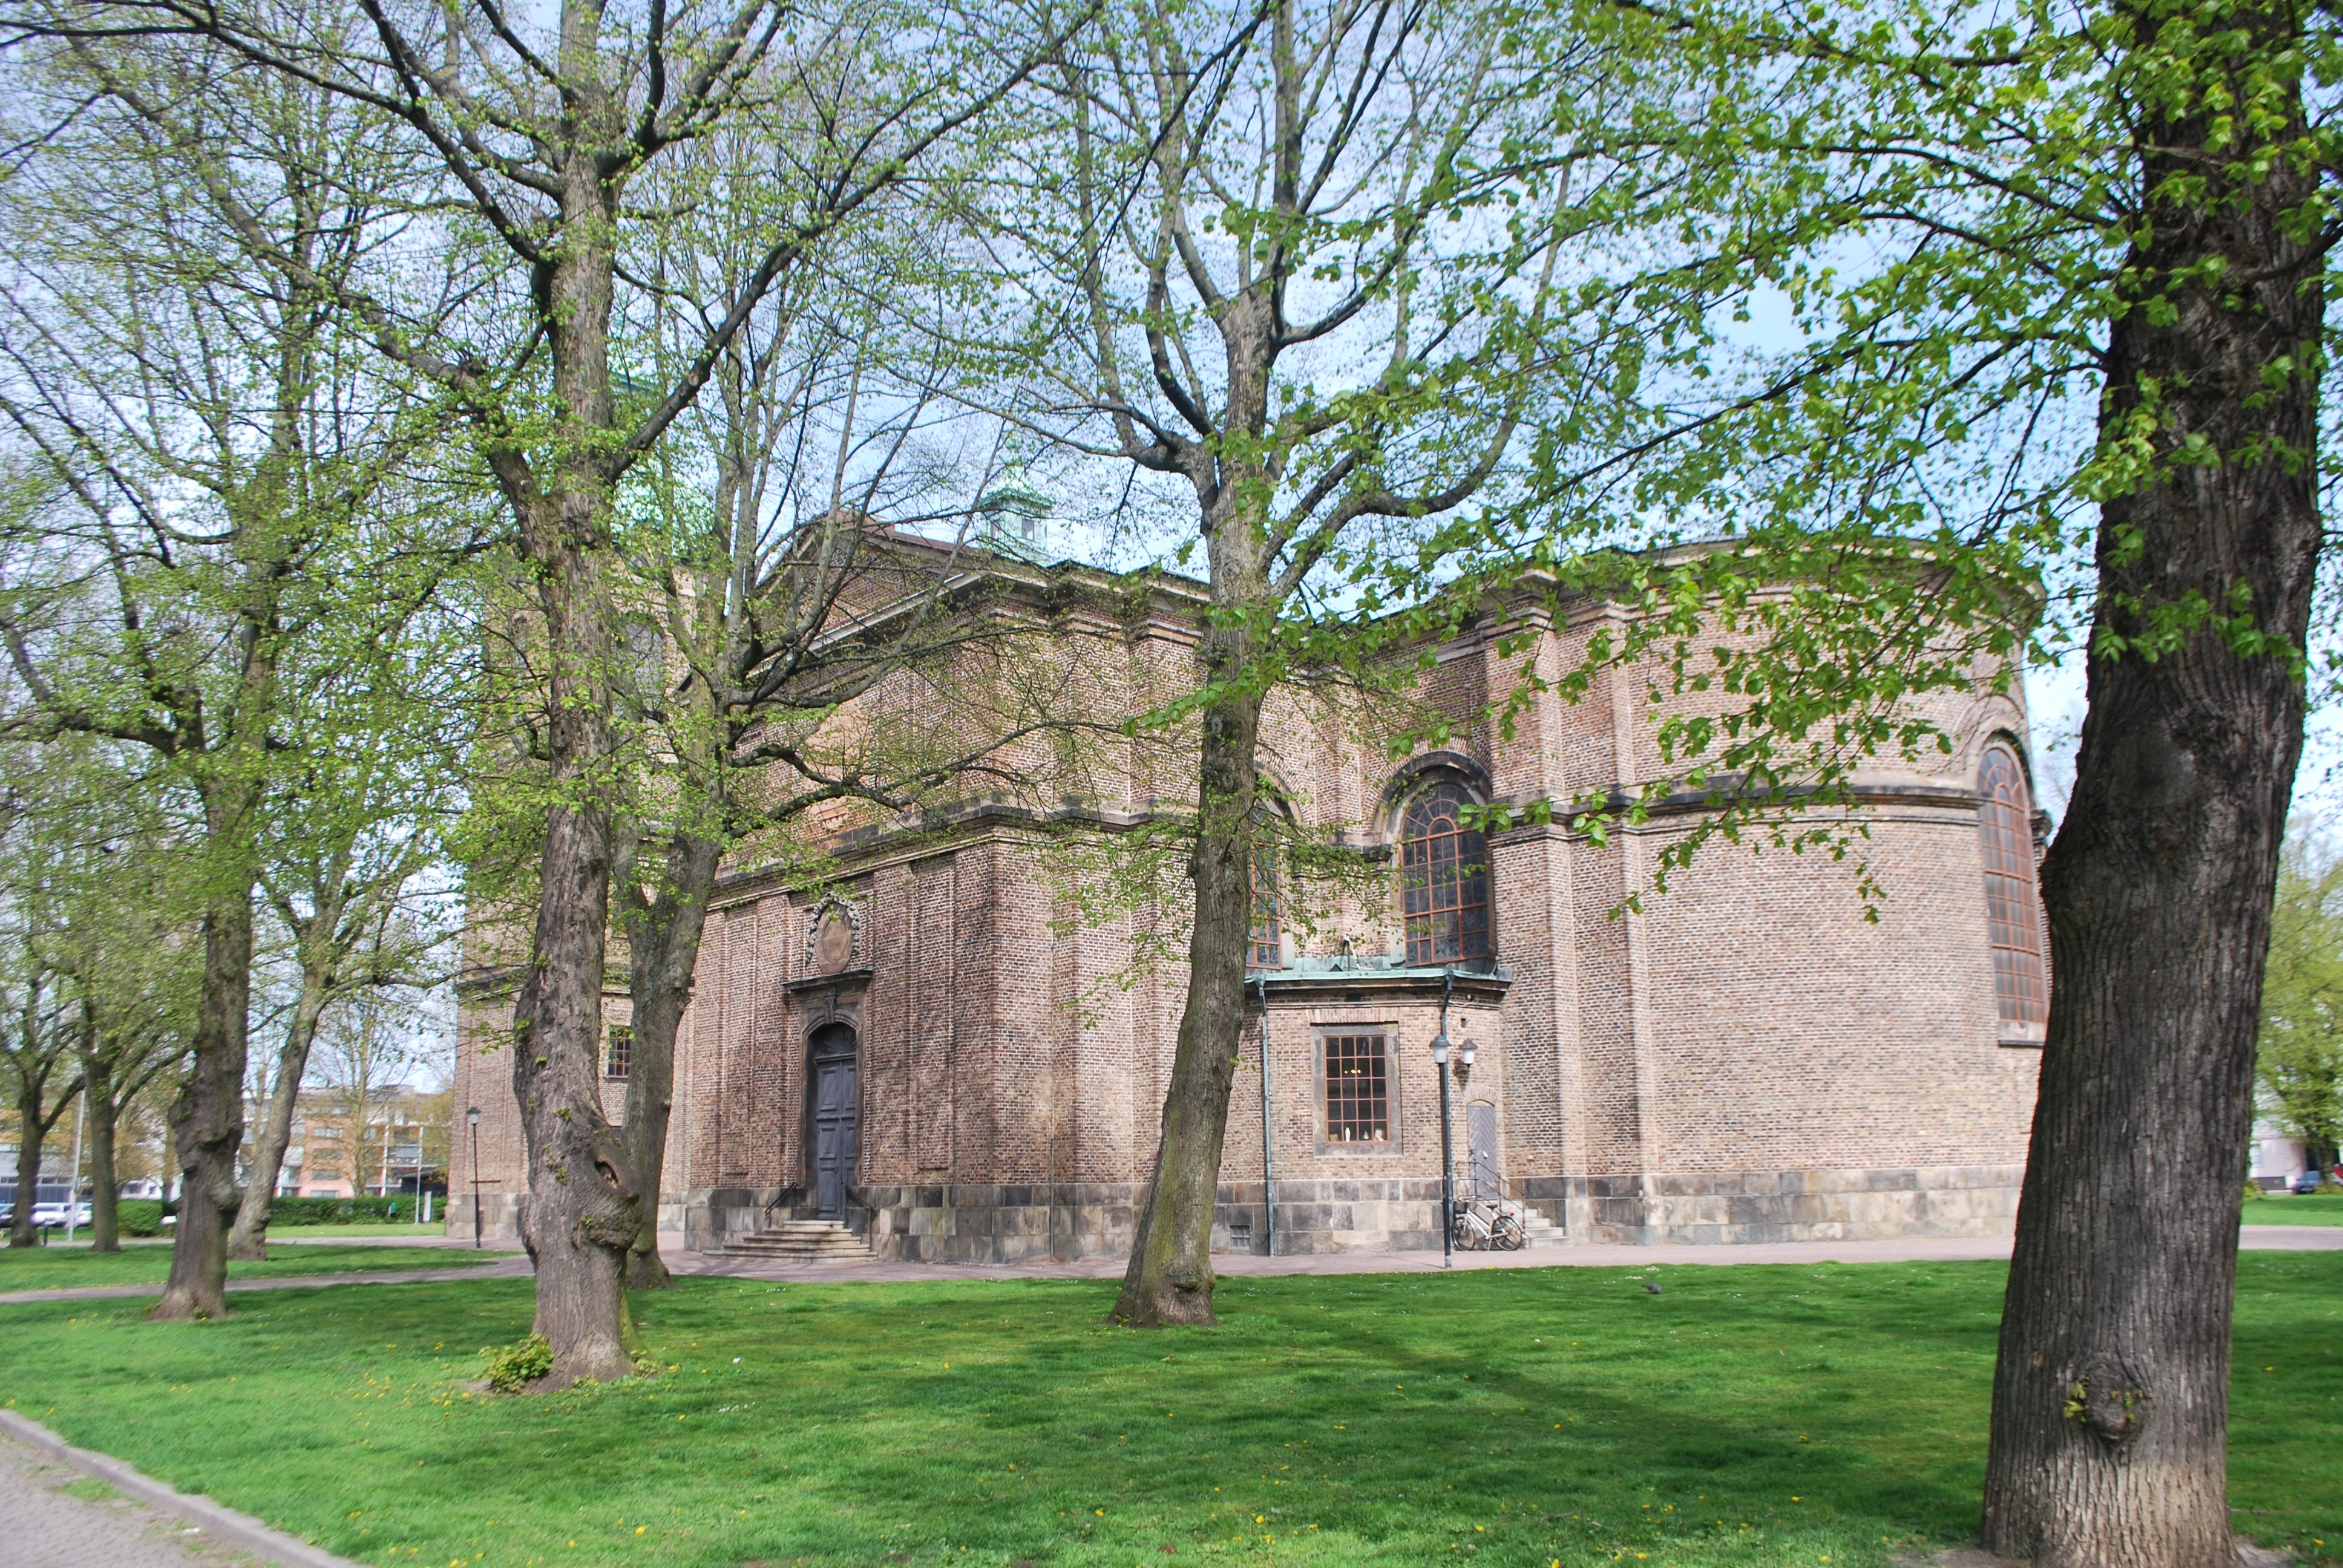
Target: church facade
x=951 y=1052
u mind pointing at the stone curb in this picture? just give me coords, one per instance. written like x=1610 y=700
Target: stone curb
x=223 y=1523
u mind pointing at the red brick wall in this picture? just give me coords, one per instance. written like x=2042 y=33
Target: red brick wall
x=1746 y=1043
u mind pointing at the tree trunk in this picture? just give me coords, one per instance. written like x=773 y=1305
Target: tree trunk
x=31 y=1131
x=208 y=1119
x=1169 y=1278
x=248 y=1241
x=106 y=1191
x=2111 y=1395
x=663 y=935
x=582 y=1208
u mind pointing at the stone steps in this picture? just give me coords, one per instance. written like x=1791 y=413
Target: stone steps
x=803 y=1241
x=1537 y=1231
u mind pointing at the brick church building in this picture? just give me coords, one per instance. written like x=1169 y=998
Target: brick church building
x=941 y=1053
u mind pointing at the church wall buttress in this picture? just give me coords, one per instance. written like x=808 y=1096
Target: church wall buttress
x=934 y=954
x=973 y=1072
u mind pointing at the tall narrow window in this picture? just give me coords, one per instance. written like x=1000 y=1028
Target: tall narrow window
x=1266 y=951
x=2013 y=910
x=1358 y=1090
x=1443 y=880
x=617 y=1050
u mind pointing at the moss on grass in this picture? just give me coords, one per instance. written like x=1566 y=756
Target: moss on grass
x=1747 y=1417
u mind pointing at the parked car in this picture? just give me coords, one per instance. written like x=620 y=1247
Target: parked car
x=52 y=1216
x=2308 y=1181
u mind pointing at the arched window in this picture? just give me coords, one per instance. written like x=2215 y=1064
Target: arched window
x=2013 y=908
x=1266 y=949
x=1443 y=880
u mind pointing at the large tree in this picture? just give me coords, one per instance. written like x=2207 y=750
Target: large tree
x=538 y=130
x=37 y=1058
x=216 y=455
x=2300 y=1058
x=351 y=842
x=114 y=920
x=2039 y=316
x=806 y=549
x=1295 y=264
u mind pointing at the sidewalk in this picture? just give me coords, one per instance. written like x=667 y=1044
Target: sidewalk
x=507 y=1269
x=1238 y=1265
x=1230 y=1265
x=50 y=1527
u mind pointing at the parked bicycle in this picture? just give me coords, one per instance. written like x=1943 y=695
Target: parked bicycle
x=1489 y=1225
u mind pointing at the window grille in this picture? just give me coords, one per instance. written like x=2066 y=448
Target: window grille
x=617 y=1050
x=1358 y=1090
x=2013 y=908
x=1443 y=880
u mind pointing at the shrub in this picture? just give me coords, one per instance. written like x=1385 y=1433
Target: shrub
x=516 y=1366
x=141 y=1216
x=289 y=1211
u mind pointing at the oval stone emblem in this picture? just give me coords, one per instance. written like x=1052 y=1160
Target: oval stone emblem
x=833 y=945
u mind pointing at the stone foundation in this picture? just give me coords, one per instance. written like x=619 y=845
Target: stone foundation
x=978 y=1223
x=1395 y=1215
x=1746 y=1206
x=496 y=1214
x=994 y=1223
x=711 y=1216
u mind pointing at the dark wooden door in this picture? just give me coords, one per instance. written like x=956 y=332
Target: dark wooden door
x=1481 y=1140
x=836 y=1110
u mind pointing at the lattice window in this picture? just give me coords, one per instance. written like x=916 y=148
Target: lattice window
x=1358 y=1090
x=2021 y=988
x=1443 y=880
x=1266 y=949
x=618 y=1051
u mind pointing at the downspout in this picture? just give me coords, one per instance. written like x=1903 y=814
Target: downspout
x=1268 y=1177
x=1447 y=1154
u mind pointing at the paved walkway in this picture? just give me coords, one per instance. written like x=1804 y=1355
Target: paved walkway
x=1908 y=1250
x=504 y=1269
x=49 y=1528
x=295 y=1239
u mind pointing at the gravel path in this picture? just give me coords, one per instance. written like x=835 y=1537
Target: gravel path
x=49 y=1528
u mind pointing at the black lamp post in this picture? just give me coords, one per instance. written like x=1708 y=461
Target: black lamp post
x=473 y=1117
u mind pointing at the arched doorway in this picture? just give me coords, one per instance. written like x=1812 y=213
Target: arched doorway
x=836 y=1117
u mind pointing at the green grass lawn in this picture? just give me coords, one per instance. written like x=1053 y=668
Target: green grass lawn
x=2312 y=1209
x=58 y=1266
x=1747 y=1417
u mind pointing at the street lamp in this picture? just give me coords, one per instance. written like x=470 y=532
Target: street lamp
x=473 y=1117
